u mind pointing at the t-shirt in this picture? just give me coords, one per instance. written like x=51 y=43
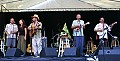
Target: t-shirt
x=78 y=32
x=21 y=30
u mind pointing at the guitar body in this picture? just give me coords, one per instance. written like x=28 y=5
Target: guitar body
x=29 y=49
x=32 y=31
x=77 y=29
x=101 y=33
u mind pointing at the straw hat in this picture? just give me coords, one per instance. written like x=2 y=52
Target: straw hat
x=35 y=16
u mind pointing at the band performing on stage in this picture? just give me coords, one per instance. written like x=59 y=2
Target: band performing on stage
x=16 y=35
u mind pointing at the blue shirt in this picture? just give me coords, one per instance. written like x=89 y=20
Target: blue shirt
x=80 y=31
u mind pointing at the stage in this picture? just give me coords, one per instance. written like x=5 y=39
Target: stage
x=43 y=58
x=107 y=55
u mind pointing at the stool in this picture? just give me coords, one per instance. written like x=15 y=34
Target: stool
x=115 y=42
x=64 y=43
x=90 y=46
x=2 y=46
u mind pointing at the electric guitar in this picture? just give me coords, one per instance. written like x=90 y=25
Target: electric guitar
x=105 y=29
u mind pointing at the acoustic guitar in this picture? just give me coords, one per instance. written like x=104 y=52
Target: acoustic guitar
x=29 y=49
x=82 y=25
x=32 y=31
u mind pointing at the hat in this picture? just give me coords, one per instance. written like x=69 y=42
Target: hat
x=35 y=16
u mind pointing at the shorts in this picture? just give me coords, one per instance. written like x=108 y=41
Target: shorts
x=11 y=42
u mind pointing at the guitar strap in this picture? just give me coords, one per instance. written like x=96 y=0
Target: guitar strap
x=103 y=26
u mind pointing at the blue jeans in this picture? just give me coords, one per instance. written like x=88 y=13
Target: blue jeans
x=79 y=42
x=11 y=42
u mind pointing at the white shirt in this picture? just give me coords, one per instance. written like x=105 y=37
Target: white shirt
x=11 y=28
x=100 y=26
x=78 y=32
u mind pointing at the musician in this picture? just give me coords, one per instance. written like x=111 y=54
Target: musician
x=11 y=30
x=100 y=28
x=78 y=34
x=36 y=38
x=21 y=37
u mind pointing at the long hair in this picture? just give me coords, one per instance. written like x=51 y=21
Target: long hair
x=24 y=24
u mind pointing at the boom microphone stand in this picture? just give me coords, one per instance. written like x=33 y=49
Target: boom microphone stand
x=53 y=40
x=101 y=44
x=31 y=43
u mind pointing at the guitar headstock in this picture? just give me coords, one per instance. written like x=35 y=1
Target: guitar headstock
x=87 y=23
x=115 y=23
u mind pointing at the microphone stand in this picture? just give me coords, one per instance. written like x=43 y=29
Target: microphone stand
x=97 y=50
x=31 y=42
x=108 y=32
x=53 y=39
x=101 y=43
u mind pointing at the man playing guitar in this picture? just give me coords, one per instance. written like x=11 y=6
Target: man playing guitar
x=35 y=32
x=101 y=29
x=78 y=34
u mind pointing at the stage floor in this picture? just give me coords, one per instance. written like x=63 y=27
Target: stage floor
x=43 y=59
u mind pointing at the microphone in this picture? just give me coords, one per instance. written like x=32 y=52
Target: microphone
x=54 y=36
x=14 y=21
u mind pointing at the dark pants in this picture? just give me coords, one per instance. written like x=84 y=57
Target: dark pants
x=79 y=42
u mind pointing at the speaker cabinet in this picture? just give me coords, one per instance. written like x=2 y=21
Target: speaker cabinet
x=48 y=52
x=71 y=52
x=109 y=55
x=1 y=54
x=14 y=52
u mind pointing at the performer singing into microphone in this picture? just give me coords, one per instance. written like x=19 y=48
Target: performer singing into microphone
x=11 y=30
x=78 y=34
x=101 y=29
x=22 y=33
x=35 y=31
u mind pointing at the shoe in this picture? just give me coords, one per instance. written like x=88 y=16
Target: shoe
x=22 y=55
x=36 y=56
